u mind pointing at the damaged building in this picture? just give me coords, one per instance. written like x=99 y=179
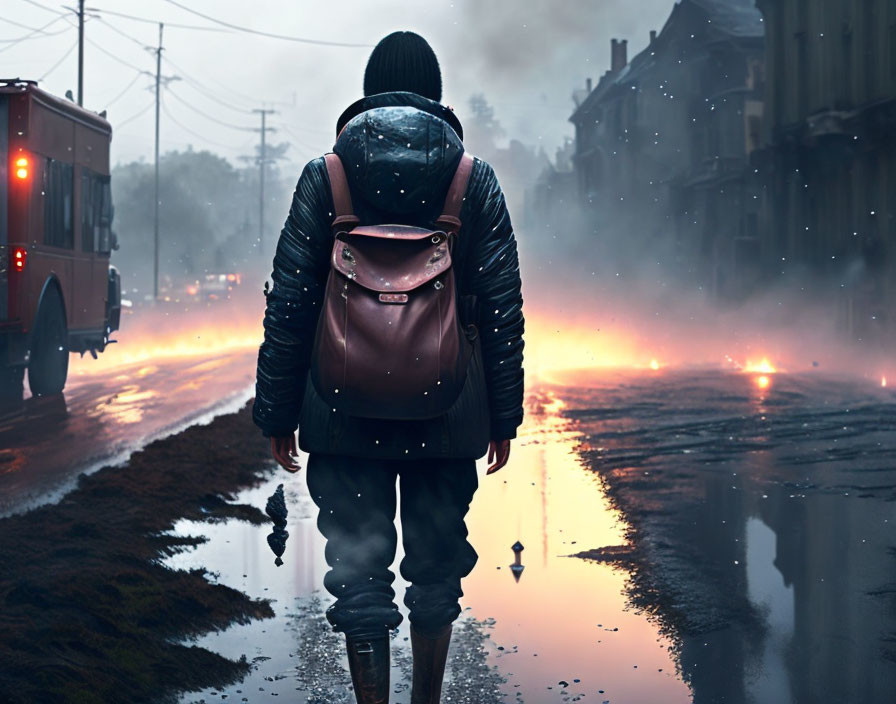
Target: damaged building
x=829 y=160
x=663 y=145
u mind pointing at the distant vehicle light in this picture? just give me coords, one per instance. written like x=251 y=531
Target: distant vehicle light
x=19 y=257
x=22 y=167
x=231 y=277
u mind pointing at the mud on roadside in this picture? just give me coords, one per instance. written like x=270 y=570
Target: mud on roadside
x=88 y=612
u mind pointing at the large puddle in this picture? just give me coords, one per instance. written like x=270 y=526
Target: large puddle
x=765 y=517
x=561 y=632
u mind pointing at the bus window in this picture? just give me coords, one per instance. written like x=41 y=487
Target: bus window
x=58 y=215
x=104 y=217
x=93 y=189
x=88 y=214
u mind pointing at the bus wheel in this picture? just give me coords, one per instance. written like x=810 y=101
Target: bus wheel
x=11 y=384
x=48 y=366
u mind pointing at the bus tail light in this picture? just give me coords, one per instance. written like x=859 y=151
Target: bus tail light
x=19 y=257
x=22 y=167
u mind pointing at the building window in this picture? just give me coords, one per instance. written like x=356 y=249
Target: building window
x=754 y=137
x=58 y=204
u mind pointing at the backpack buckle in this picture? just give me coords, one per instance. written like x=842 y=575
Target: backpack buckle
x=393 y=298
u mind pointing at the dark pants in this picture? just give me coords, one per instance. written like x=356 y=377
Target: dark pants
x=357 y=505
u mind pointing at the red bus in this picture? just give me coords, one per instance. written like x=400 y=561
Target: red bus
x=58 y=292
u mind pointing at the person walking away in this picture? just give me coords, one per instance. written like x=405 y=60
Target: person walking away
x=394 y=343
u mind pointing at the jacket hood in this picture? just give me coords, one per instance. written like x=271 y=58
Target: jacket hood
x=399 y=151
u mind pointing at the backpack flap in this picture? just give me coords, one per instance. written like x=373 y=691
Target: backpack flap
x=371 y=261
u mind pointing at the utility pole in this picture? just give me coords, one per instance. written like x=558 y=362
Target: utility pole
x=155 y=290
x=80 y=52
x=262 y=162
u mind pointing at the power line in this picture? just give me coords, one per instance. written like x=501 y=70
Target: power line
x=48 y=9
x=38 y=33
x=127 y=36
x=111 y=55
x=303 y=40
x=167 y=24
x=119 y=125
x=194 y=83
x=202 y=137
x=296 y=139
x=13 y=42
x=17 y=24
x=61 y=59
x=206 y=115
x=126 y=88
x=230 y=91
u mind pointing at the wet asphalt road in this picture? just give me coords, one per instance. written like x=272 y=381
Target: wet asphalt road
x=105 y=413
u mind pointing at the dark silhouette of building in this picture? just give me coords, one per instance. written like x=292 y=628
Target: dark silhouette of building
x=551 y=200
x=829 y=160
x=663 y=145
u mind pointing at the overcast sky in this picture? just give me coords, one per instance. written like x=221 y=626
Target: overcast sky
x=526 y=56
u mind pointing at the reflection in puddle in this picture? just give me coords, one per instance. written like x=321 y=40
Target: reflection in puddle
x=126 y=406
x=765 y=522
x=105 y=415
x=565 y=626
x=562 y=630
x=769 y=593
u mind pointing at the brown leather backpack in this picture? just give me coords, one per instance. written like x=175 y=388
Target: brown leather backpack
x=390 y=342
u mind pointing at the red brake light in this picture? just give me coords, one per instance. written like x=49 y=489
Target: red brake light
x=19 y=257
x=22 y=167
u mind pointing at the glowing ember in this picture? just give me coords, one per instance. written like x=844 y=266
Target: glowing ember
x=763 y=382
x=763 y=367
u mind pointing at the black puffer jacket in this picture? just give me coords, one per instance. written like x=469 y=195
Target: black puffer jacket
x=400 y=151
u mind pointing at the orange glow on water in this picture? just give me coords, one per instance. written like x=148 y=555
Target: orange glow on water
x=763 y=382
x=763 y=367
x=583 y=624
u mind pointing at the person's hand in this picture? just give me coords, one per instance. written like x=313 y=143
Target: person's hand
x=499 y=453
x=285 y=452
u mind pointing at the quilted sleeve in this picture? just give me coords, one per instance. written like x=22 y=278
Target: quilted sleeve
x=301 y=265
x=494 y=273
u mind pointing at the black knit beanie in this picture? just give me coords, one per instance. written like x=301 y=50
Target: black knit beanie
x=403 y=61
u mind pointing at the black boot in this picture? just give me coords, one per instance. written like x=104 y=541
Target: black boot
x=368 y=661
x=430 y=656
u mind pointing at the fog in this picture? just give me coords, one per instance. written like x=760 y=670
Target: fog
x=594 y=295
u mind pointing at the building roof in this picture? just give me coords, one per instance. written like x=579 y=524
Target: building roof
x=732 y=19
x=738 y=18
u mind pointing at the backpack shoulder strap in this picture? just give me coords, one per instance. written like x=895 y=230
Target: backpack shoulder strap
x=342 y=199
x=450 y=217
